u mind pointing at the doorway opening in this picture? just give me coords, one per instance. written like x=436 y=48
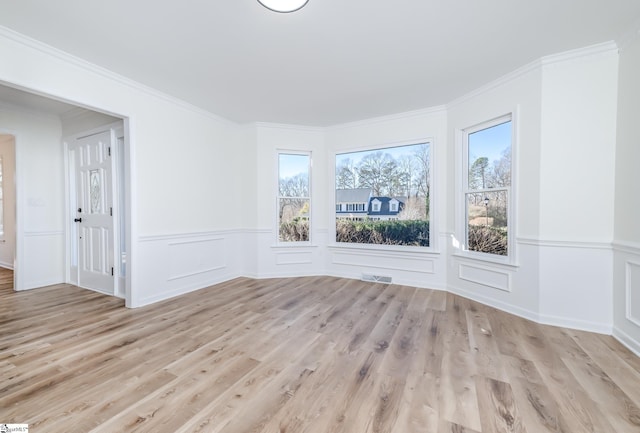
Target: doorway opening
x=95 y=197
x=38 y=124
x=7 y=201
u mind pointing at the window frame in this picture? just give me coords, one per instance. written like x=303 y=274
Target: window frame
x=434 y=234
x=308 y=154
x=463 y=231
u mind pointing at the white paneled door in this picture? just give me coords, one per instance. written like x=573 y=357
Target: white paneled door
x=92 y=188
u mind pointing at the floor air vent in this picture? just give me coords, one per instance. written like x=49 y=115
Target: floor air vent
x=376 y=278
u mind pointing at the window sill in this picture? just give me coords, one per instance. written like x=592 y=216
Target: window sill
x=384 y=248
x=289 y=245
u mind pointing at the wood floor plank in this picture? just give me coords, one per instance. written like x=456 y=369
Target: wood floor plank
x=303 y=355
x=484 y=348
x=458 y=401
x=498 y=410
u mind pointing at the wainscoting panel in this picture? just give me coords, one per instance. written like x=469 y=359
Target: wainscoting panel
x=411 y=267
x=179 y=263
x=293 y=258
x=384 y=260
x=626 y=294
x=632 y=289
x=42 y=261
x=196 y=256
x=485 y=276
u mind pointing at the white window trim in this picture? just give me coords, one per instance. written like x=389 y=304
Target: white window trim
x=278 y=242
x=376 y=205
x=463 y=189
x=434 y=233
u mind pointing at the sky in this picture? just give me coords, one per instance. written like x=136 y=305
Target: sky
x=291 y=165
x=396 y=152
x=490 y=142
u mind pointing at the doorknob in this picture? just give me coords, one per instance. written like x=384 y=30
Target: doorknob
x=77 y=220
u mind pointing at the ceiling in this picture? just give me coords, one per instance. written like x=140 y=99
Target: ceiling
x=332 y=62
x=34 y=102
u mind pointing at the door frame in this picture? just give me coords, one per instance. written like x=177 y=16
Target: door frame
x=17 y=240
x=116 y=130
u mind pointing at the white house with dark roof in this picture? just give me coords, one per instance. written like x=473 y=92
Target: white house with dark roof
x=359 y=204
x=384 y=208
x=353 y=203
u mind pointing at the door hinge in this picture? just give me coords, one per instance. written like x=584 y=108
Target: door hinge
x=109 y=149
x=112 y=271
x=110 y=211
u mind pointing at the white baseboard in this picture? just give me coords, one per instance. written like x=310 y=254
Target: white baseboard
x=183 y=290
x=503 y=306
x=581 y=325
x=6 y=265
x=626 y=340
x=41 y=283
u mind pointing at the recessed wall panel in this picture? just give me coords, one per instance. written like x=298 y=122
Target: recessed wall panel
x=633 y=291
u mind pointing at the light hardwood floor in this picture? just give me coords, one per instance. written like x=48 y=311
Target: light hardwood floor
x=303 y=355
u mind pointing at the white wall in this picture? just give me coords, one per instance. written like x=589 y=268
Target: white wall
x=579 y=105
x=417 y=266
x=270 y=258
x=565 y=108
x=513 y=287
x=40 y=196
x=180 y=157
x=8 y=238
x=627 y=191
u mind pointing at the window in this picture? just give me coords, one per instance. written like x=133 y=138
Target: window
x=294 y=198
x=372 y=180
x=488 y=186
x=338 y=208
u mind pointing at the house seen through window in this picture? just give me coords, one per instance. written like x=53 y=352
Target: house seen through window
x=383 y=196
x=294 y=197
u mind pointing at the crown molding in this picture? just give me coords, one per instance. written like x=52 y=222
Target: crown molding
x=534 y=66
x=301 y=128
x=430 y=111
x=505 y=79
x=591 y=50
x=92 y=68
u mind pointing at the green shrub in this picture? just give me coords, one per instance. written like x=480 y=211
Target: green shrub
x=485 y=239
x=295 y=231
x=410 y=232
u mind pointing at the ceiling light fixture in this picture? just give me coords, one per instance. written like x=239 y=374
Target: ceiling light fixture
x=283 y=6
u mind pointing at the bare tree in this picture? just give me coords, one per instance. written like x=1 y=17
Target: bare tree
x=295 y=186
x=408 y=169
x=346 y=175
x=414 y=209
x=422 y=179
x=376 y=171
x=500 y=175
